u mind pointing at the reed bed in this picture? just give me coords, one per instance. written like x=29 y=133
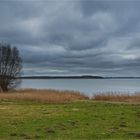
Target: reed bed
x=65 y=96
x=49 y=96
x=114 y=96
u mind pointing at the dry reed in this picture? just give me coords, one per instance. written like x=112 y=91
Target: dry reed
x=121 y=97
x=49 y=96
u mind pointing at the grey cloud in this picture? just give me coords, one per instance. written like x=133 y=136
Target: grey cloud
x=74 y=37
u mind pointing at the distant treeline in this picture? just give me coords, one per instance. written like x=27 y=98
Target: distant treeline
x=75 y=77
x=61 y=77
x=121 y=77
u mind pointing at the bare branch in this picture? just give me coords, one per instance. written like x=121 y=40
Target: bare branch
x=10 y=66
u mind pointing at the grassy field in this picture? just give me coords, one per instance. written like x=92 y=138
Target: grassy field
x=76 y=120
x=68 y=115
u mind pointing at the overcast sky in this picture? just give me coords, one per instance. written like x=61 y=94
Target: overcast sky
x=74 y=37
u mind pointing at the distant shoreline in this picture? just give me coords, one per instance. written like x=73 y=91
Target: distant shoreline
x=75 y=77
x=62 y=77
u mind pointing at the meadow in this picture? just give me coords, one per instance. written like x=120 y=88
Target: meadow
x=26 y=115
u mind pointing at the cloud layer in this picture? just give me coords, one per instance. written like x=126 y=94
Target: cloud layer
x=74 y=37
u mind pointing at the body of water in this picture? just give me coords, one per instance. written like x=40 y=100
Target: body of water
x=87 y=86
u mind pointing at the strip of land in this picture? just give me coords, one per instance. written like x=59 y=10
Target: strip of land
x=75 y=77
x=62 y=77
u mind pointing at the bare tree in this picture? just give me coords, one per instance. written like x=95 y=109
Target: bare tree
x=10 y=66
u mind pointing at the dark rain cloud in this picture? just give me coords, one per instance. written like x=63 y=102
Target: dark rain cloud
x=74 y=37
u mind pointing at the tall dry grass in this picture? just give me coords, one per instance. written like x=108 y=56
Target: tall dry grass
x=121 y=97
x=49 y=96
x=58 y=96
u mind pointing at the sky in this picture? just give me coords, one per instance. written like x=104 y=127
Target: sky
x=74 y=37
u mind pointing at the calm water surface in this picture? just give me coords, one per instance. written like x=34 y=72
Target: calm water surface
x=87 y=86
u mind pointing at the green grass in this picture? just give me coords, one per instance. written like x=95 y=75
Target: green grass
x=86 y=120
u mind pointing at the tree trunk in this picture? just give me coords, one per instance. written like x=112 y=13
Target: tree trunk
x=4 y=88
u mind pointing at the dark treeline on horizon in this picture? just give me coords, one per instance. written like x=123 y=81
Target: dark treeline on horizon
x=76 y=77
